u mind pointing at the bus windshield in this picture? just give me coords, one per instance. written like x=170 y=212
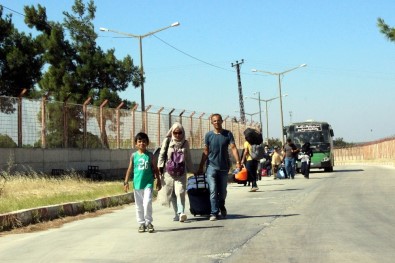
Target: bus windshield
x=318 y=136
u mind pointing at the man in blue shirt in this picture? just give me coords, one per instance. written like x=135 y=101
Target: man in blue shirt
x=216 y=157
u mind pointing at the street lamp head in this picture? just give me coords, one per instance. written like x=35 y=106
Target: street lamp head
x=104 y=29
x=303 y=65
x=253 y=70
x=175 y=24
x=285 y=95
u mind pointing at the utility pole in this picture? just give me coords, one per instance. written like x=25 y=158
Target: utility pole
x=242 y=113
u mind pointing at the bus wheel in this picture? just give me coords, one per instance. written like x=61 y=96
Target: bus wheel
x=328 y=169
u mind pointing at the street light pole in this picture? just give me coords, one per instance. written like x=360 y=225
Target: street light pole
x=279 y=74
x=260 y=111
x=267 y=111
x=140 y=38
x=250 y=114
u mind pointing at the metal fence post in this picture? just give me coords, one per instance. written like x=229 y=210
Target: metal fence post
x=170 y=112
x=119 y=125
x=180 y=116
x=191 y=129
x=43 y=121
x=201 y=127
x=65 y=123
x=20 y=141
x=102 y=131
x=225 y=122
x=159 y=111
x=146 y=118
x=133 y=131
x=85 y=111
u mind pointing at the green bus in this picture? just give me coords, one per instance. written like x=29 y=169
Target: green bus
x=319 y=134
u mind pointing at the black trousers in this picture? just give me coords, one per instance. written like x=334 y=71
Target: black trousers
x=252 y=167
x=305 y=168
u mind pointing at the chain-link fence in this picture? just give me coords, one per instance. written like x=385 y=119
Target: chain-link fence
x=43 y=123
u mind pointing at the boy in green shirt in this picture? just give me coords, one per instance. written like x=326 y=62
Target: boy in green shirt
x=144 y=170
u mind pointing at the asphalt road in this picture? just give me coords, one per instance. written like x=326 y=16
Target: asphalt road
x=344 y=216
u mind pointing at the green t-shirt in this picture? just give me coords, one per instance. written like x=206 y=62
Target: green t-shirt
x=142 y=170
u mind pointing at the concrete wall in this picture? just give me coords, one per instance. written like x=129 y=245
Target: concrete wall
x=113 y=162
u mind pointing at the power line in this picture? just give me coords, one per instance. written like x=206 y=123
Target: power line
x=193 y=57
x=166 y=43
x=12 y=10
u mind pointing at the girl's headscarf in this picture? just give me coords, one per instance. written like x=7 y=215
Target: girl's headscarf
x=176 y=142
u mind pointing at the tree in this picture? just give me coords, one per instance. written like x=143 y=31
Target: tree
x=6 y=142
x=77 y=68
x=20 y=61
x=275 y=142
x=340 y=143
x=388 y=31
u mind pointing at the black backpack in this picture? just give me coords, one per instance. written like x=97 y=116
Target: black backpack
x=253 y=136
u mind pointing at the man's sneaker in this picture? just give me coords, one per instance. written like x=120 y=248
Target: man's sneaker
x=183 y=217
x=141 y=228
x=150 y=228
x=223 y=212
x=213 y=218
x=176 y=218
x=254 y=189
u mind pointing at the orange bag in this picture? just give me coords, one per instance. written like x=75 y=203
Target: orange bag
x=242 y=175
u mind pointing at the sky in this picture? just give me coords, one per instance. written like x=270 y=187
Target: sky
x=349 y=80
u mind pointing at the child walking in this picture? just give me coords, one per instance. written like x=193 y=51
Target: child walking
x=143 y=169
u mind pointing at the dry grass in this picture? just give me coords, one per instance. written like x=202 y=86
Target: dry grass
x=21 y=191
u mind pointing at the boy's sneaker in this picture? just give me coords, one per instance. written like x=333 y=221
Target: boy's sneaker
x=183 y=217
x=213 y=218
x=223 y=212
x=150 y=228
x=141 y=228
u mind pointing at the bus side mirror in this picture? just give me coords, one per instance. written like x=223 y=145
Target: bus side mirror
x=331 y=131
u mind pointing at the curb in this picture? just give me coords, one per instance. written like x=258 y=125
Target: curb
x=35 y=215
x=25 y=217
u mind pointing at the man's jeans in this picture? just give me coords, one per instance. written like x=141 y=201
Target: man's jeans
x=217 y=182
x=290 y=166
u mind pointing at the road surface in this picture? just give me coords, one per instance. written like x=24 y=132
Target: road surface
x=344 y=216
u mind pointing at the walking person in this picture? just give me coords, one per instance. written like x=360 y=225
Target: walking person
x=306 y=155
x=216 y=157
x=268 y=160
x=174 y=178
x=143 y=170
x=290 y=150
x=251 y=166
x=277 y=159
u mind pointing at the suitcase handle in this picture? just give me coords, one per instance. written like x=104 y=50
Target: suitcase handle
x=204 y=180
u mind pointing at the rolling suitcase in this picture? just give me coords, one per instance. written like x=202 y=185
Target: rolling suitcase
x=199 y=195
